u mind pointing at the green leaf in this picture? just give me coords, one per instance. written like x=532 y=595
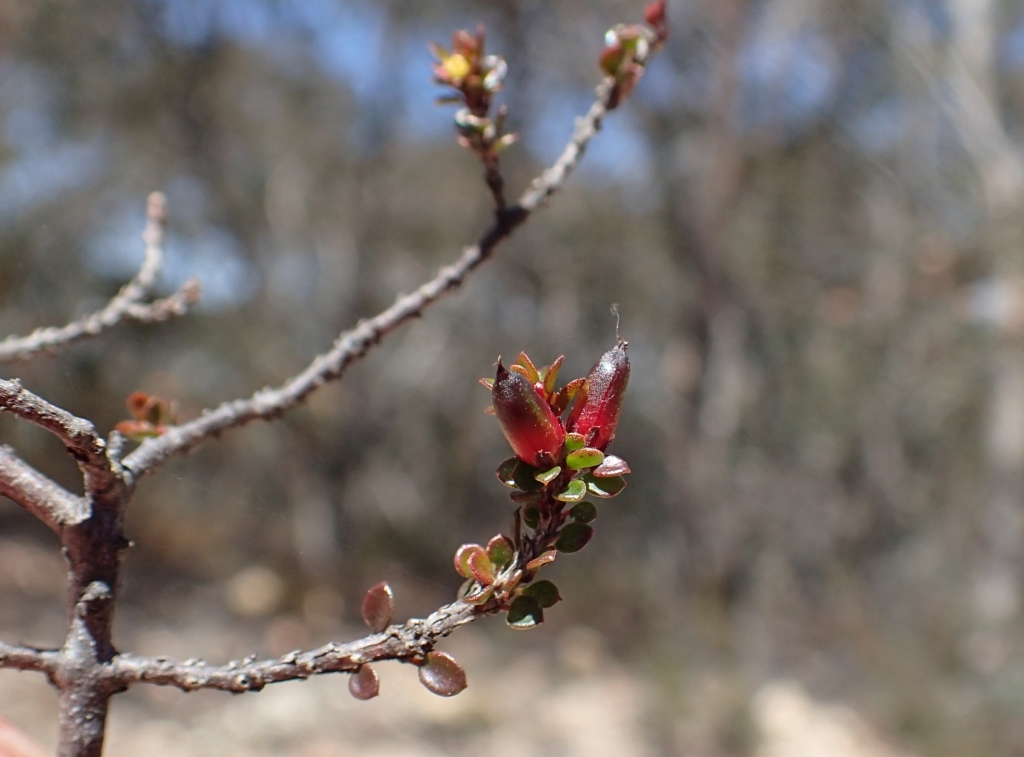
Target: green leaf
x=531 y=515
x=583 y=512
x=574 y=537
x=525 y=477
x=525 y=613
x=364 y=683
x=506 y=472
x=574 y=492
x=442 y=675
x=500 y=550
x=575 y=441
x=527 y=498
x=611 y=467
x=462 y=555
x=379 y=607
x=480 y=568
x=487 y=382
x=605 y=487
x=587 y=457
x=545 y=592
x=546 y=477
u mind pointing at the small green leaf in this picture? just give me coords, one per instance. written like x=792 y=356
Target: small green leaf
x=379 y=607
x=574 y=492
x=575 y=441
x=545 y=592
x=488 y=382
x=583 y=512
x=500 y=550
x=546 y=477
x=364 y=683
x=506 y=472
x=531 y=515
x=525 y=613
x=480 y=568
x=611 y=467
x=574 y=537
x=442 y=675
x=462 y=555
x=542 y=560
x=527 y=498
x=605 y=487
x=587 y=457
x=525 y=477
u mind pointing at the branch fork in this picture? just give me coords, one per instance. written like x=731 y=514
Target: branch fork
x=88 y=669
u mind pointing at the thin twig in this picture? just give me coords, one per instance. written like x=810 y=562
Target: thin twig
x=19 y=657
x=78 y=434
x=495 y=182
x=409 y=642
x=587 y=127
x=45 y=499
x=354 y=344
x=127 y=305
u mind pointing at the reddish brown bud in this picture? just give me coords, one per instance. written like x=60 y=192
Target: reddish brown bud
x=654 y=14
x=526 y=419
x=596 y=411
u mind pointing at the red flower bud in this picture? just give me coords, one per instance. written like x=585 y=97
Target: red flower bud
x=654 y=14
x=526 y=419
x=596 y=411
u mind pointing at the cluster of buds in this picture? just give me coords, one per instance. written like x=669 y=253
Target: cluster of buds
x=150 y=417
x=627 y=48
x=476 y=78
x=556 y=467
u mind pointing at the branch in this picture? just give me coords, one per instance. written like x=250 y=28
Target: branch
x=407 y=643
x=354 y=344
x=52 y=504
x=29 y=658
x=127 y=305
x=587 y=127
x=78 y=434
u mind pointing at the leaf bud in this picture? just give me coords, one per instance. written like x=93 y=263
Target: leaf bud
x=526 y=419
x=596 y=411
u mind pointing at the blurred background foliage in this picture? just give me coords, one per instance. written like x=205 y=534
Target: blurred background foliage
x=807 y=213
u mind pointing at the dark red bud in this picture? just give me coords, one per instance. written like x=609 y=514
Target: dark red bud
x=526 y=419
x=596 y=411
x=654 y=14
